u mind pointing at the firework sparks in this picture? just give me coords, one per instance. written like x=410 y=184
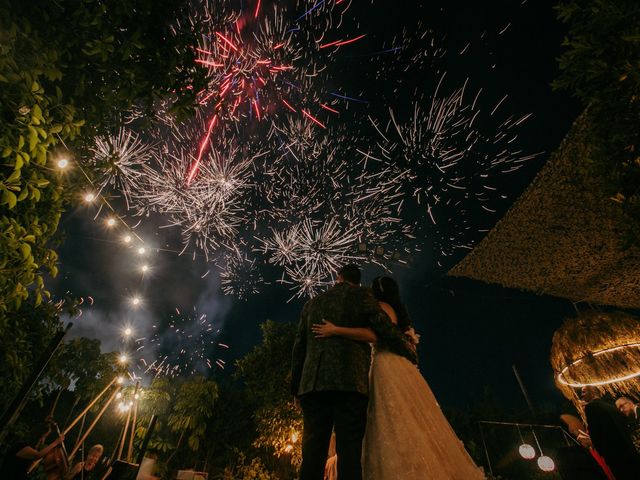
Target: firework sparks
x=120 y=161
x=185 y=346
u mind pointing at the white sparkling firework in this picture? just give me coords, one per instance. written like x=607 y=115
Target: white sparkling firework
x=186 y=345
x=241 y=277
x=439 y=156
x=119 y=162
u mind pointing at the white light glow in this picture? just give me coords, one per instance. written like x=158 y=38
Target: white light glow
x=527 y=451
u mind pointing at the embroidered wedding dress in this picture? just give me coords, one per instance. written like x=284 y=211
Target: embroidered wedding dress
x=408 y=436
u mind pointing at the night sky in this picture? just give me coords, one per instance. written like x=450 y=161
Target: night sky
x=472 y=333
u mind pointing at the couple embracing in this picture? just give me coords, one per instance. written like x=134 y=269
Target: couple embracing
x=387 y=422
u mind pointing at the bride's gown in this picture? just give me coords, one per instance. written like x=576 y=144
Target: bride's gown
x=408 y=436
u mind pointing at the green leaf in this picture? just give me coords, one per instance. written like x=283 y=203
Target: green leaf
x=15 y=175
x=24 y=193
x=36 y=113
x=25 y=248
x=33 y=137
x=9 y=198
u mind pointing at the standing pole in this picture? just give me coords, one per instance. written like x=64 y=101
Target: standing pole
x=90 y=406
x=95 y=421
x=486 y=450
x=524 y=391
x=133 y=424
x=147 y=437
x=124 y=435
x=12 y=413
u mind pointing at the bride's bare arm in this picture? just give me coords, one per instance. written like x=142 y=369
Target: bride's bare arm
x=327 y=329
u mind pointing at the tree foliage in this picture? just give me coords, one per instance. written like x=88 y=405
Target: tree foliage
x=601 y=66
x=69 y=71
x=79 y=365
x=24 y=335
x=185 y=409
x=266 y=373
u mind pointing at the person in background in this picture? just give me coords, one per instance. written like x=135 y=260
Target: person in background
x=581 y=462
x=331 y=467
x=610 y=435
x=629 y=409
x=89 y=469
x=21 y=455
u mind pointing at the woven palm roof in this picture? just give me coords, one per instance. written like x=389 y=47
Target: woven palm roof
x=564 y=236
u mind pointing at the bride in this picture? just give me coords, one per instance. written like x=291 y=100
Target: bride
x=407 y=434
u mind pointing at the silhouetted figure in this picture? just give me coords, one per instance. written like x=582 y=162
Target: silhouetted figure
x=20 y=455
x=581 y=462
x=610 y=435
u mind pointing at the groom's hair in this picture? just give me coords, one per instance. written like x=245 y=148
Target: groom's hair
x=350 y=273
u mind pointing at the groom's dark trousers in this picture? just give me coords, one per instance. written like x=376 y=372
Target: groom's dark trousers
x=322 y=412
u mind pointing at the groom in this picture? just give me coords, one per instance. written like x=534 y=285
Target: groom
x=330 y=377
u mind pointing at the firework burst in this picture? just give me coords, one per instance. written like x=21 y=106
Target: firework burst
x=241 y=277
x=119 y=162
x=186 y=345
x=438 y=156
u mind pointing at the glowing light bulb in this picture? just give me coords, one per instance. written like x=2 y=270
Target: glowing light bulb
x=144 y=268
x=63 y=163
x=120 y=380
x=527 y=451
x=127 y=332
x=89 y=197
x=294 y=437
x=142 y=250
x=546 y=464
x=135 y=301
x=111 y=222
x=119 y=395
x=126 y=239
x=288 y=448
x=123 y=358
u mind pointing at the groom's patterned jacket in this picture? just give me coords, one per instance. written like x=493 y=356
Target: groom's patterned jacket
x=336 y=363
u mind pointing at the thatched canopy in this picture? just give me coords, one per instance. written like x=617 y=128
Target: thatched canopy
x=600 y=349
x=564 y=236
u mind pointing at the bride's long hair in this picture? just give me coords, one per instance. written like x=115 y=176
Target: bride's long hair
x=385 y=289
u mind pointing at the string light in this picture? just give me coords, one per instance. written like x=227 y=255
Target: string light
x=63 y=163
x=127 y=239
x=527 y=451
x=142 y=251
x=546 y=464
x=144 y=268
x=128 y=332
x=136 y=301
x=89 y=197
x=111 y=222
